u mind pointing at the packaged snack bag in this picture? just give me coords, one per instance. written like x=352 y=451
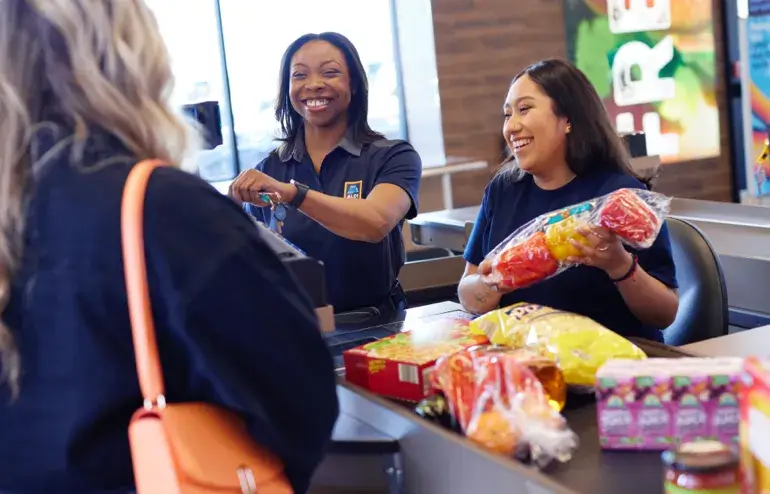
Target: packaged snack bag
x=558 y=236
x=545 y=369
x=527 y=262
x=501 y=404
x=543 y=247
x=578 y=344
x=755 y=426
x=627 y=215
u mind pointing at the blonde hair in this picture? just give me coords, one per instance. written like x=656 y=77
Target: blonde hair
x=99 y=63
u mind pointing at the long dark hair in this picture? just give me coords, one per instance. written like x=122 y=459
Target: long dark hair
x=358 y=111
x=592 y=144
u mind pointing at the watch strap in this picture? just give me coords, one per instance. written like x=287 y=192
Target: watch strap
x=299 y=197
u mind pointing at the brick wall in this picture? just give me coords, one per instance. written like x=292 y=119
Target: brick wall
x=480 y=46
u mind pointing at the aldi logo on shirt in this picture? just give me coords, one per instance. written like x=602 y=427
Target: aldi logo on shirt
x=352 y=190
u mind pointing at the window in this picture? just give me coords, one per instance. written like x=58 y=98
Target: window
x=256 y=33
x=193 y=44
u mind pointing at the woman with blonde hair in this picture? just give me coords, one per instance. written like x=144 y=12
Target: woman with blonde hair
x=84 y=87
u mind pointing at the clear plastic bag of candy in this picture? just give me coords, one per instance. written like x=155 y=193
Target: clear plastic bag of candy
x=501 y=404
x=543 y=247
x=578 y=344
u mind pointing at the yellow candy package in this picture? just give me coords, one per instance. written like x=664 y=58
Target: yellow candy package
x=579 y=344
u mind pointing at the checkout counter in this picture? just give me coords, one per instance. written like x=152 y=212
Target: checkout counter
x=432 y=460
x=388 y=448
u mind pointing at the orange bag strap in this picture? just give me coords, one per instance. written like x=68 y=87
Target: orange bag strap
x=148 y=366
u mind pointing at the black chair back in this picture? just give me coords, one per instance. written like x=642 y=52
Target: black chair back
x=703 y=310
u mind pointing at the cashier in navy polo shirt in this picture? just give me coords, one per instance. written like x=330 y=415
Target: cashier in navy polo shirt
x=565 y=151
x=348 y=189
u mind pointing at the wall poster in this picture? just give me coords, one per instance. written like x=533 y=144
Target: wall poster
x=755 y=82
x=653 y=64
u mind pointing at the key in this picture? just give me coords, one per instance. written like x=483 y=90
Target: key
x=279 y=213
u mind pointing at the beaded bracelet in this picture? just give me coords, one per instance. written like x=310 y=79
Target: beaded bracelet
x=631 y=270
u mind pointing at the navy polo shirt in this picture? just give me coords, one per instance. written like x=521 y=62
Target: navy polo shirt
x=586 y=290
x=233 y=327
x=359 y=274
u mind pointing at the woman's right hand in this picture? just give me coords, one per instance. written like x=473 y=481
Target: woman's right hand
x=490 y=281
x=477 y=291
x=257 y=188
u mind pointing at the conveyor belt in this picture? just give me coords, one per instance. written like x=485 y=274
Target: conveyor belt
x=437 y=461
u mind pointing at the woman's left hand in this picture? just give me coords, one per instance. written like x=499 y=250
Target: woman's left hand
x=603 y=250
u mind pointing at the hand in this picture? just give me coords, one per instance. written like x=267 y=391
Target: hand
x=604 y=251
x=485 y=275
x=250 y=185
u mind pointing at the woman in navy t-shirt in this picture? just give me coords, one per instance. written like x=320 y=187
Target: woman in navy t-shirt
x=564 y=151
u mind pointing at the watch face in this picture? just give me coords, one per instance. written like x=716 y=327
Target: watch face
x=280 y=212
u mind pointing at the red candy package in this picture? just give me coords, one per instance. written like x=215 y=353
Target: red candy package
x=544 y=247
x=500 y=404
x=626 y=214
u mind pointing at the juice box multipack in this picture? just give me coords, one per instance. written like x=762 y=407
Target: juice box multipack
x=658 y=403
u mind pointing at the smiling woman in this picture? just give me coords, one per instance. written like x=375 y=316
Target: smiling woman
x=564 y=151
x=323 y=84
x=348 y=189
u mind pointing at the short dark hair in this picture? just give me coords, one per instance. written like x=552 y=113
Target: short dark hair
x=358 y=111
x=592 y=144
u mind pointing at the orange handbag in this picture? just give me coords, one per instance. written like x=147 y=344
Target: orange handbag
x=180 y=448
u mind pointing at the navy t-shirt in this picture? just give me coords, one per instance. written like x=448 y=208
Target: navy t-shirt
x=358 y=274
x=233 y=327
x=586 y=290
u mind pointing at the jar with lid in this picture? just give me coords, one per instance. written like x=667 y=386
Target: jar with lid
x=706 y=467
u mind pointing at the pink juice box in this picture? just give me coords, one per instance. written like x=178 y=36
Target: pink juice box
x=654 y=404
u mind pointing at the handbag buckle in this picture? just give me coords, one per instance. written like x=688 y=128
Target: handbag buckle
x=158 y=403
x=246 y=478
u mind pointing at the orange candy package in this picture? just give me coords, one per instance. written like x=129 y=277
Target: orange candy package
x=501 y=404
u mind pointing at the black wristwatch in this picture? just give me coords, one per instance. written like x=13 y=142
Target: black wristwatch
x=299 y=197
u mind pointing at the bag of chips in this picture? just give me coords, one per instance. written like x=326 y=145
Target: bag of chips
x=501 y=404
x=577 y=343
x=543 y=247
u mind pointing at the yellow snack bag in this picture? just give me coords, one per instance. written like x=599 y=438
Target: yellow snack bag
x=579 y=344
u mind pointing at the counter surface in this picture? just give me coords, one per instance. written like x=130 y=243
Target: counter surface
x=741 y=344
x=448 y=217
